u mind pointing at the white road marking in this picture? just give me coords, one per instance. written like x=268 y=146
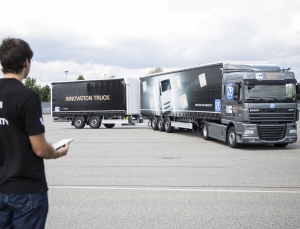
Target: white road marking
x=176 y=189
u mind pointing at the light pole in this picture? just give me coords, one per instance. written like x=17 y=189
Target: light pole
x=66 y=75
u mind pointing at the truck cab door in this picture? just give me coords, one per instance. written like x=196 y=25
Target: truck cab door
x=231 y=96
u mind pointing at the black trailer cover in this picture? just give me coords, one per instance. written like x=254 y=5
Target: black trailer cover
x=89 y=95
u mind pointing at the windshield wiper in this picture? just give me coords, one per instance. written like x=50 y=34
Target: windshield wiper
x=251 y=86
x=289 y=99
x=274 y=98
x=253 y=98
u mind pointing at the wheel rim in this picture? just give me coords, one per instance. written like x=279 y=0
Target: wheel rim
x=94 y=122
x=231 y=138
x=153 y=122
x=205 y=131
x=167 y=125
x=78 y=122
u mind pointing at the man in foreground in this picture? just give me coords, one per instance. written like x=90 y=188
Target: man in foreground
x=23 y=186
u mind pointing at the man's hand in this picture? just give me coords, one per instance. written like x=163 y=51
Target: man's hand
x=45 y=150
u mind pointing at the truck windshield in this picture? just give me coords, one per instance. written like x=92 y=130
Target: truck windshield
x=270 y=93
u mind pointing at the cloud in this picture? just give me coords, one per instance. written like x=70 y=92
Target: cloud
x=45 y=73
x=126 y=37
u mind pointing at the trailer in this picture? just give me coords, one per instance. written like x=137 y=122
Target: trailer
x=96 y=102
x=234 y=102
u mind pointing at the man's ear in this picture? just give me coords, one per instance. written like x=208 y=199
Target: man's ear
x=26 y=63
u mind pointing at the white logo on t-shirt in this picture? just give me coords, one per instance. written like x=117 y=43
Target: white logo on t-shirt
x=3 y=121
x=42 y=121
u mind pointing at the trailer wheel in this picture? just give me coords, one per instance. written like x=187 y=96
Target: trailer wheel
x=94 y=122
x=109 y=125
x=168 y=127
x=161 y=124
x=205 y=131
x=154 y=123
x=281 y=145
x=79 y=122
x=231 y=138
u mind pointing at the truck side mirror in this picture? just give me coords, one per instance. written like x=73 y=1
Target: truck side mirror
x=298 y=89
x=236 y=92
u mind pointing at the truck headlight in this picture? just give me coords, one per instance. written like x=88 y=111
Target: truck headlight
x=293 y=131
x=247 y=132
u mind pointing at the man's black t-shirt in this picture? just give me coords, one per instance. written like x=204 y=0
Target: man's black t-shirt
x=21 y=170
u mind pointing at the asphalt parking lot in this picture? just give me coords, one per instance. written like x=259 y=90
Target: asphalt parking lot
x=134 y=177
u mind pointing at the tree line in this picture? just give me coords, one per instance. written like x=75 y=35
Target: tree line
x=45 y=92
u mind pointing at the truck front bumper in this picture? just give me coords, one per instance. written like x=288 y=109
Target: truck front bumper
x=252 y=134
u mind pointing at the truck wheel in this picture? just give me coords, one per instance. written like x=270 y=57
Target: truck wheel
x=161 y=124
x=205 y=131
x=231 y=138
x=168 y=127
x=109 y=125
x=79 y=122
x=281 y=145
x=94 y=122
x=154 y=123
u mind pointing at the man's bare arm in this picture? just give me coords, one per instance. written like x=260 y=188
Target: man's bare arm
x=45 y=150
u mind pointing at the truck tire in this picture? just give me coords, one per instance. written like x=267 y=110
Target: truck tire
x=281 y=145
x=79 y=122
x=205 y=131
x=161 y=124
x=94 y=122
x=231 y=138
x=109 y=125
x=154 y=123
x=168 y=127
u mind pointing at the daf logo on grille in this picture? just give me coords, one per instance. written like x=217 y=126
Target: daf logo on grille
x=291 y=109
x=254 y=110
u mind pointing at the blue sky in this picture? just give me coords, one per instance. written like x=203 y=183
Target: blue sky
x=128 y=38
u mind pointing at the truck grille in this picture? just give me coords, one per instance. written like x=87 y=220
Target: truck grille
x=274 y=115
x=271 y=132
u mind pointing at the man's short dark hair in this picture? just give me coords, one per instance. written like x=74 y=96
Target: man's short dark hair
x=13 y=53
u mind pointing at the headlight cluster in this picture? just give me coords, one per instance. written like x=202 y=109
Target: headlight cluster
x=247 y=132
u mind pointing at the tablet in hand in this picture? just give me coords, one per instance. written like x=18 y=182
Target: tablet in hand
x=61 y=143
